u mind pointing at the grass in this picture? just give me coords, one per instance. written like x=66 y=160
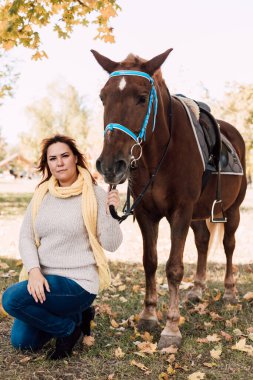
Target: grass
x=118 y=304
x=12 y=205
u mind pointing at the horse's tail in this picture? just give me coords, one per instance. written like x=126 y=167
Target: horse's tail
x=216 y=235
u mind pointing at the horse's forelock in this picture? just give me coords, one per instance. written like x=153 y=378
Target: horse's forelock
x=134 y=61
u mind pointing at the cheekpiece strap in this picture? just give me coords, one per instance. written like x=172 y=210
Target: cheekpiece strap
x=152 y=98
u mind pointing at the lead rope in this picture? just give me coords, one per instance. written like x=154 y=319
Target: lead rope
x=128 y=209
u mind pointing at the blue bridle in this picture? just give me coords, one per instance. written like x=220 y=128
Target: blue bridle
x=152 y=98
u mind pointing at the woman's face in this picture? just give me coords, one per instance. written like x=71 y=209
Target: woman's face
x=62 y=163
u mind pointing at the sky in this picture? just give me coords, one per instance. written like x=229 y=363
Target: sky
x=211 y=41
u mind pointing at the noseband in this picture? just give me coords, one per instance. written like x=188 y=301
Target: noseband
x=152 y=99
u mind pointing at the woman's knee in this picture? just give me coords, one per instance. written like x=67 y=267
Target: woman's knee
x=14 y=296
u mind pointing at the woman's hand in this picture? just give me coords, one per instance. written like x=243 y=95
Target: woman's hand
x=113 y=199
x=36 y=284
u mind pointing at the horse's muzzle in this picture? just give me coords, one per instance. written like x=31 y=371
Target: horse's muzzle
x=114 y=173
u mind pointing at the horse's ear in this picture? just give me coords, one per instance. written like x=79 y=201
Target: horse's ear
x=105 y=62
x=155 y=63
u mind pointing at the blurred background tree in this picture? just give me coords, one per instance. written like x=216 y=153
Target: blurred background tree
x=20 y=20
x=8 y=76
x=62 y=111
x=3 y=146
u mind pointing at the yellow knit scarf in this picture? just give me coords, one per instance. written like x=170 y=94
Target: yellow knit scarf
x=83 y=185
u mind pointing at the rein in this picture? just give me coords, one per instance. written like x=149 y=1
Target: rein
x=128 y=209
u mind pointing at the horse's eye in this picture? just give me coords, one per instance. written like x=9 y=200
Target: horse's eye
x=102 y=98
x=142 y=99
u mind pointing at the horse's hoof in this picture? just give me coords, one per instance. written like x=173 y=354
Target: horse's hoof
x=230 y=298
x=194 y=295
x=147 y=324
x=169 y=340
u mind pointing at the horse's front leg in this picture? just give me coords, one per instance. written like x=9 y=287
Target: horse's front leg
x=179 y=222
x=149 y=229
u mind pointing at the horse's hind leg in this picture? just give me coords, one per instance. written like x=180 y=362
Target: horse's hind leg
x=202 y=235
x=148 y=317
x=230 y=227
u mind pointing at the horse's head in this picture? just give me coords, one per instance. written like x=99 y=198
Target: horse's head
x=130 y=104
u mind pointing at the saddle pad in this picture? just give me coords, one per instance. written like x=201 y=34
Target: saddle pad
x=230 y=162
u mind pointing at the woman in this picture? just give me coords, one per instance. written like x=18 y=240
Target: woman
x=64 y=229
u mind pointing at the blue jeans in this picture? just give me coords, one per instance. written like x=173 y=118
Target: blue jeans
x=36 y=323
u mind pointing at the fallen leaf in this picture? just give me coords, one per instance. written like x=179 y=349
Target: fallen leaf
x=136 y=288
x=163 y=376
x=114 y=323
x=121 y=288
x=208 y=324
x=237 y=332
x=196 y=376
x=216 y=353
x=110 y=377
x=225 y=335
x=210 y=365
x=122 y=299
x=119 y=353
x=217 y=296
x=169 y=350
x=147 y=347
x=170 y=370
x=242 y=346
x=25 y=359
x=3 y=265
x=186 y=285
x=250 y=330
x=181 y=320
x=88 y=340
x=147 y=337
x=141 y=366
x=171 y=358
x=248 y=296
x=216 y=317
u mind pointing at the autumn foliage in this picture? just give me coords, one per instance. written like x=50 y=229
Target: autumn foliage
x=21 y=20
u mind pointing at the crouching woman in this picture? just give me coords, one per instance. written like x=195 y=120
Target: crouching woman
x=64 y=231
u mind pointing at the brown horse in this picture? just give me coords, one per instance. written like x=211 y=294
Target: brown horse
x=176 y=192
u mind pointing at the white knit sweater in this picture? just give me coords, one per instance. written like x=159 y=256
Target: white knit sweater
x=64 y=243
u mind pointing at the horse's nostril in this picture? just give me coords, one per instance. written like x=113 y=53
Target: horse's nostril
x=98 y=166
x=120 y=166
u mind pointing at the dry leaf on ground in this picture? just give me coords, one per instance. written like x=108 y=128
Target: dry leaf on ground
x=141 y=366
x=119 y=353
x=242 y=346
x=196 y=376
x=216 y=353
x=248 y=296
x=88 y=340
x=147 y=347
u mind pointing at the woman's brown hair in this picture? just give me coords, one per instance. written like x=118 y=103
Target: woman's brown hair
x=43 y=165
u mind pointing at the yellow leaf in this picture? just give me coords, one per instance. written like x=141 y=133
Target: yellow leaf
x=136 y=288
x=170 y=370
x=248 y=296
x=88 y=341
x=217 y=296
x=196 y=376
x=119 y=353
x=147 y=337
x=147 y=347
x=181 y=320
x=163 y=376
x=3 y=312
x=114 y=323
